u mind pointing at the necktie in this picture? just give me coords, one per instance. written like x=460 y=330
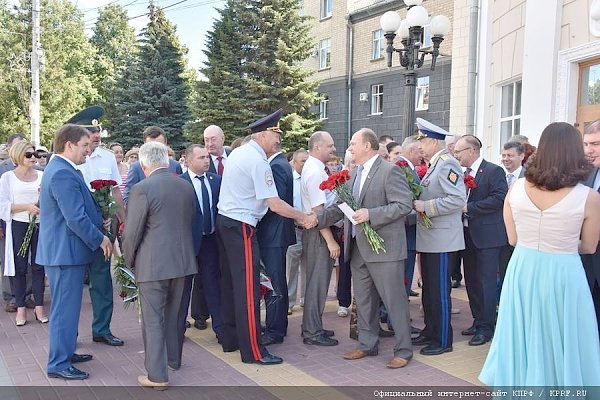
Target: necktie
x=510 y=179
x=327 y=171
x=206 y=214
x=356 y=186
x=220 y=165
x=467 y=173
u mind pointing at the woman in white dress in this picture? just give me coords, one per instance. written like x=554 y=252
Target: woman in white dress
x=546 y=334
x=19 y=196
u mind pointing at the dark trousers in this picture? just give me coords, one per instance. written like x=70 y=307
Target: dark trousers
x=591 y=265
x=240 y=293
x=182 y=312
x=435 y=272
x=101 y=294
x=19 y=281
x=409 y=269
x=344 y=283
x=481 y=271
x=276 y=302
x=206 y=290
x=455 y=272
x=66 y=289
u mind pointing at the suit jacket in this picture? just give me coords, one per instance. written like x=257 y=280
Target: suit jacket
x=591 y=262
x=386 y=195
x=212 y=168
x=157 y=241
x=70 y=219
x=136 y=174
x=485 y=205
x=214 y=181
x=445 y=196
x=274 y=230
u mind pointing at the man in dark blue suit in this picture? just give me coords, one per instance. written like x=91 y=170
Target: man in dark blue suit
x=485 y=235
x=70 y=234
x=591 y=262
x=135 y=174
x=204 y=287
x=275 y=234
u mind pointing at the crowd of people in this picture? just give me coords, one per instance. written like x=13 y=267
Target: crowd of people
x=200 y=231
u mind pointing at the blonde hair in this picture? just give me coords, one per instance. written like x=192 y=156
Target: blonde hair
x=17 y=151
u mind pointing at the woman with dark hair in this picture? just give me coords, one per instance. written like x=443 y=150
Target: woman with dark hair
x=546 y=334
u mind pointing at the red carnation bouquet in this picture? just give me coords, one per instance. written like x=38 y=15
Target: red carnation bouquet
x=336 y=183
x=103 y=195
x=415 y=189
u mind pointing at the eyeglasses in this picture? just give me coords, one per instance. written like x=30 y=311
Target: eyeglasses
x=461 y=150
x=30 y=154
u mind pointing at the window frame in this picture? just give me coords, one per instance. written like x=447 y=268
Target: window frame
x=382 y=45
x=514 y=119
x=327 y=59
x=326 y=9
x=376 y=99
x=324 y=108
x=418 y=90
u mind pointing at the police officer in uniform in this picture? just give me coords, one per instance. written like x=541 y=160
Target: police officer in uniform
x=100 y=164
x=442 y=200
x=247 y=191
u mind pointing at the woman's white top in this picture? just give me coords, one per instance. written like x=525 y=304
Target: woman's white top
x=26 y=193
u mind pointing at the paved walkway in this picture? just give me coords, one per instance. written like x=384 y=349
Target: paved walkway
x=207 y=372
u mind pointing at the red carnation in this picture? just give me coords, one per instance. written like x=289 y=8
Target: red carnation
x=470 y=182
x=421 y=170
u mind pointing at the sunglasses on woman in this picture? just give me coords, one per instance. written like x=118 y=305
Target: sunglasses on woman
x=30 y=154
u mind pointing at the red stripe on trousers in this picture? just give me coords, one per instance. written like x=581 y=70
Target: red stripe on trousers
x=250 y=293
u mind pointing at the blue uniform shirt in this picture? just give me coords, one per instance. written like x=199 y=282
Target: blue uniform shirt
x=247 y=183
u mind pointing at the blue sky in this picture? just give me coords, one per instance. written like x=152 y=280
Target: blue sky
x=193 y=19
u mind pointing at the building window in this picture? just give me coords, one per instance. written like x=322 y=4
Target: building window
x=422 y=94
x=324 y=53
x=326 y=8
x=378 y=45
x=427 y=43
x=510 y=112
x=323 y=104
x=376 y=99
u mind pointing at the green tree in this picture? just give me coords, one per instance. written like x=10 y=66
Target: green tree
x=115 y=43
x=154 y=90
x=260 y=45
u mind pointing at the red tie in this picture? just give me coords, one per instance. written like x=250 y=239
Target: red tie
x=220 y=165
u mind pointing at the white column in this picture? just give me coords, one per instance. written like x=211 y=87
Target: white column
x=540 y=60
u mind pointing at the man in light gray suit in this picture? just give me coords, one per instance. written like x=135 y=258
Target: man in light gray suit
x=161 y=261
x=442 y=200
x=384 y=199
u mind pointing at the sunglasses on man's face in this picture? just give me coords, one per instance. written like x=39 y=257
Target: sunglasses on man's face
x=30 y=154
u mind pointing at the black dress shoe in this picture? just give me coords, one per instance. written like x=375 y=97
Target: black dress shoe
x=269 y=359
x=455 y=284
x=478 y=340
x=420 y=341
x=188 y=325
x=328 y=333
x=200 y=324
x=469 y=332
x=412 y=293
x=71 y=373
x=267 y=340
x=320 y=340
x=230 y=349
x=434 y=350
x=79 y=358
x=414 y=331
x=109 y=340
x=384 y=333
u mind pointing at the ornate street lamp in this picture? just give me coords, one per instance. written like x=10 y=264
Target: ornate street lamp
x=411 y=55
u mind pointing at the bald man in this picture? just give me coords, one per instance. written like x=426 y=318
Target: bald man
x=214 y=140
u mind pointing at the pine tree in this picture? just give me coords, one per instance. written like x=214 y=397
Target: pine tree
x=155 y=90
x=259 y=45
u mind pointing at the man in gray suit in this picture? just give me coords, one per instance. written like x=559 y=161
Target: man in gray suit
x=442 y=200
x=160 y=261
x=382 y=193
x=591 y=262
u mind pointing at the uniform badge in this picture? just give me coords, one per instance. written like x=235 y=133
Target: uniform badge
x=445 y=157
x=425 y=183
x=268 y=178
x=453 y=177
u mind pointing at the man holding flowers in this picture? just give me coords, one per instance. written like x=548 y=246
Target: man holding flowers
x=383 y=199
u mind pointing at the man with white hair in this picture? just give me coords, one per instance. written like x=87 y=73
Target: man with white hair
x=161 y=261
x=214 y=140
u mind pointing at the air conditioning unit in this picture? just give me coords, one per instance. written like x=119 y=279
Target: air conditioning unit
x=363 y=97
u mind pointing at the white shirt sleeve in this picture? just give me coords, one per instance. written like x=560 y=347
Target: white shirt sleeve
x=316 y=196
x=264 y=184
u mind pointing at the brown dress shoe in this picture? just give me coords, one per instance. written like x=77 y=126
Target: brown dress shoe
x=397 y=362
x=10 y=307
x=358 y=354
x=144 y=381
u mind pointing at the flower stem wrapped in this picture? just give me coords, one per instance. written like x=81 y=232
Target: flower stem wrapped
x=415 y=189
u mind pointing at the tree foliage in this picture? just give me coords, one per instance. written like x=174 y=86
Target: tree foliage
x=154 y=88
x=254 y=55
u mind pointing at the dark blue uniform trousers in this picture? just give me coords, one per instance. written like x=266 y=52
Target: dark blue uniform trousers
x=101 y=294
x=276 y=303
x=66 y=289
x=207 y=283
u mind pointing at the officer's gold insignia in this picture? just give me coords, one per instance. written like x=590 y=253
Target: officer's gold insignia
x=445 y=157
x=453 y=176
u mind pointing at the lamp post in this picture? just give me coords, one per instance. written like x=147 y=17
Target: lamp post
x=411 y=55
